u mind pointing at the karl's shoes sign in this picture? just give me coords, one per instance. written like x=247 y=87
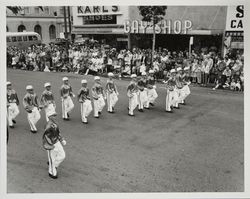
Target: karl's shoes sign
x=163 y=27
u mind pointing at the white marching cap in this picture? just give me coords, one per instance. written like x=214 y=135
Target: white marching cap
x=172 y=71
x=151 y=71
x=187 y=68
x=143 y=73
x=133 y=75
x=47 y=84
x=8 y=83
x=97 y=78
x=65 y=78
x=110 y=74
x=84 y=81
x=178 y=69
x=29 y=87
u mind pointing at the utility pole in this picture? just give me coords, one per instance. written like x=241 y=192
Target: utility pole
x=65 y=29
x=69 y=19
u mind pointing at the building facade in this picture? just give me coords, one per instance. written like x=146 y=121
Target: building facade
x=49 y=22
x=122 y=26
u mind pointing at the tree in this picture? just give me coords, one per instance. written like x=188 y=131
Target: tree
x=16 y=9
x=152 y=14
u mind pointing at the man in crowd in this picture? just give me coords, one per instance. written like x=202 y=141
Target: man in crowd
x=66 y=95
x=30 y=104
x=84 y=99
x=12 y=105
x=112 y=93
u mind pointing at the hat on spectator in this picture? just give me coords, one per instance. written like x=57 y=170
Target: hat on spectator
x=143 y=73
x=186 y=68
x=47 y=84
x=151 y=71
x=133 y=75
x=8 y=83
x=65 y=78
x=29 y=87
x=84 y=81
x=97 y=78
x=172 y=71
x=110 y=74
x=178 y=69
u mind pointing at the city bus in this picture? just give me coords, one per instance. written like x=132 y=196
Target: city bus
x=22 y=40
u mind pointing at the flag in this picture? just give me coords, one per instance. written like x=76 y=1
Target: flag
x=227 y=41
x=191 y=41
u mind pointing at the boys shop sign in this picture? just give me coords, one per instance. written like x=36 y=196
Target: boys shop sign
x=164 y=27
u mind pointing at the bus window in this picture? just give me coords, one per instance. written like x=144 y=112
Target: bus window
x=34 y=38
x=8 y=39
x=19 y=38
x=25 y=38
x=30 y=38
x=13 y=39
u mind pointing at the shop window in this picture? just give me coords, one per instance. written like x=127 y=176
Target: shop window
x=13 y=39
x=30 y=38
x=19 y=38
x=8 y=39
x=21 y=28
x=25 y=38
x=52 y=32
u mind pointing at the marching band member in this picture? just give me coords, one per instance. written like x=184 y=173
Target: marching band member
x=178 y=87
x=98 y=97
x=112 y=93
x=66 y=96
x=48 y=100
x=142 y=94
x=53 y=143
x=170 y=97
x=152 y=94
x=30 y=103
x=84 y=99
x=132 y=91
x=12 y=105
x=186 y=83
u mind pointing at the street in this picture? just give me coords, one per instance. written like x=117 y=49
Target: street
x=198 y=148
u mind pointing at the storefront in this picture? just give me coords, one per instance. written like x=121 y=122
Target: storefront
x=122 y=26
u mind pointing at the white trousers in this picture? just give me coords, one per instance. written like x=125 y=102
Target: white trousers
x=49 y=108
x=98 y=105
x=133 y=102
x=67 y=106
x=112 y=99
x=176 y=97
x=33 y=118
x=13 y=111
x=86 y=108
x=169 y=100
x=152 y=95
x=143 y=99
x=56 y=157
x=186 y=92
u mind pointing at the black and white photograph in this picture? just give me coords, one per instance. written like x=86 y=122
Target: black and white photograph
x=125 y=98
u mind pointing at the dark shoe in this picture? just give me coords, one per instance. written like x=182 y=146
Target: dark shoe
x=99 y=113
x=177 y=107
x=12 y=127
x=169 y=111
x=14 y=121
x=140 y=110
x=67 y=119
x=183 y=103
x=54 y=177
x=151 y=104
x=97 y=117
x=131 y=115
x=146 y=107
x=33 y=131
x=85 y=122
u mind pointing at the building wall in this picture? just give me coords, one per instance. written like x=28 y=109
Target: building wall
x=32 y=16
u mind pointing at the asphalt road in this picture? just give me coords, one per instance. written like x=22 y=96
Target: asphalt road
x=198 y=148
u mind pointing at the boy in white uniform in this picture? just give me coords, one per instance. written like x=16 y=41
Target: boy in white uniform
x=112 y=93
x=132 y=93
x=185 y=89
x=152 y=94
x=66 y=96
x=48 y=100
x=53 y=143
x=142 y=94
x=171 y=93
x=30 y=104
x=98 y=97
x=12 y=105
x=84 y=99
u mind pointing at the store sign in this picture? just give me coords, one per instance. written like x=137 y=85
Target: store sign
x=99 y=19
x=235 y=16
x=97 y=10
x=164 y=27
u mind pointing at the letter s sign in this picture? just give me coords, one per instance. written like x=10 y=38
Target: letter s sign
x=240 y=11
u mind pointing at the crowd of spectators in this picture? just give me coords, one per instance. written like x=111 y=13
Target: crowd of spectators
x=207 y=68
